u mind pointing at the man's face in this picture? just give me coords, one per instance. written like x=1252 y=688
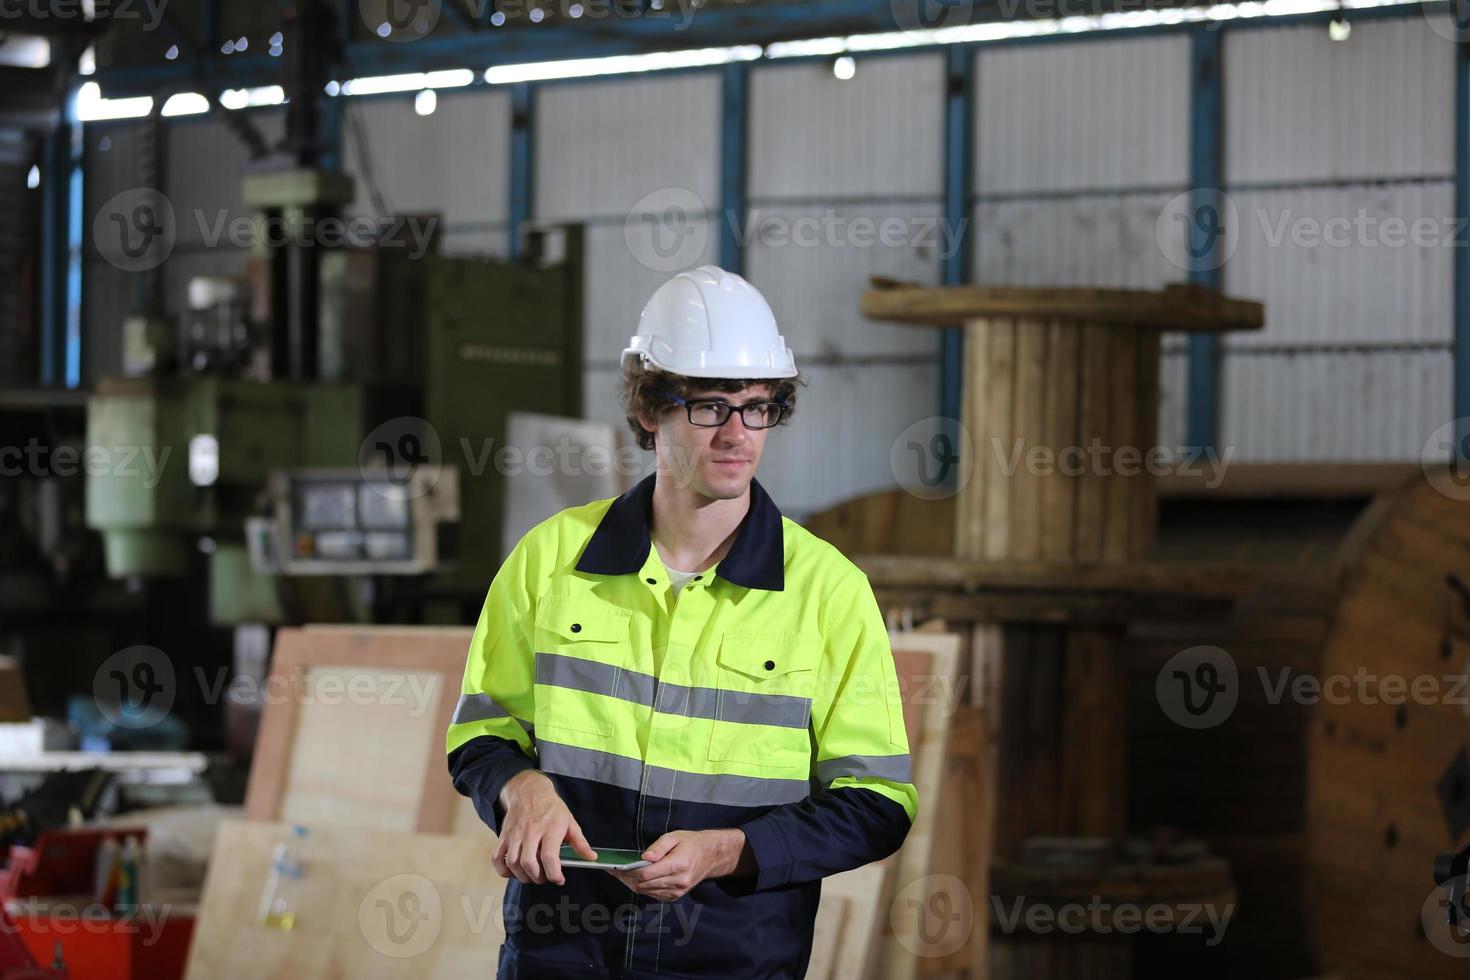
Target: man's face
x=715 y=461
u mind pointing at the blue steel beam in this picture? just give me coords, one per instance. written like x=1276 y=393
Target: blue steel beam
x=61 y=251
x=734 y=127
x=676 y=26
x=959 y=144
x=587 y=38
x=1204 y=233
x=55 y=184
x=74 y=225
x=522 y=161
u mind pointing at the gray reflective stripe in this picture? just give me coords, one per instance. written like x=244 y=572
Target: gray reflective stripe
x=573 y=673
x=600 y=767
x=476 y=707
x=780 y=710
x=576 y=674
x=894 y=768
x=698 y=787
x=692 y=787
x=480 y=707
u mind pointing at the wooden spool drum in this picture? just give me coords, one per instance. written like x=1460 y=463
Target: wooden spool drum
x=1388 y=783
x=1061 y=407
x=1060 y=414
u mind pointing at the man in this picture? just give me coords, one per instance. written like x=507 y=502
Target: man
x=684 y=672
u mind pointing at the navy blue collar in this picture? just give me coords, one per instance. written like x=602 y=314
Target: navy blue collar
x=621 y=542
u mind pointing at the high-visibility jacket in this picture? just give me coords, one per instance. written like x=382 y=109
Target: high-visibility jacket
x=765 y=699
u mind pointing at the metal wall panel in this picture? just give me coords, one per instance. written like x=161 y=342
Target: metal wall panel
x=1082 y=114
x=1173 y=391
x=813 y=264
x=1345 y=264
x=1299 y=106
x=879 y=133
x=1312 y=407
x=455 y=161
x=602 y=146
x=1105 y=241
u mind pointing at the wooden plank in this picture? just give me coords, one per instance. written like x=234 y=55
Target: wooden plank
x=350 y=919
x=970 y=501
x=1177 y=307
x=1059 y=493
x=1121 y=435
x=1145 y=519
x=327 y=686
x=1093 y=406
x=997 y=425
x=1028 y=432
x=850 y=925
x=927 y=666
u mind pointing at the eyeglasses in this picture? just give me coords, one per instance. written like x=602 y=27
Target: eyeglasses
x=711 y=412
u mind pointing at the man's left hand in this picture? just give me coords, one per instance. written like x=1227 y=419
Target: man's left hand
x=682 y=859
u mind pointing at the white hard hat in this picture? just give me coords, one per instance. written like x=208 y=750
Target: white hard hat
x=709 y=323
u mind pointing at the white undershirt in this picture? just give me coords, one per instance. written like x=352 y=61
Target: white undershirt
x=678 y=579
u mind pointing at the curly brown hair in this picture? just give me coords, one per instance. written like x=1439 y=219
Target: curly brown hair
x=642 y=389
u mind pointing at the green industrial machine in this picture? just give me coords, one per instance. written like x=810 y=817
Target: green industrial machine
x=503 y=337
x=484 y=338
x=186 y=459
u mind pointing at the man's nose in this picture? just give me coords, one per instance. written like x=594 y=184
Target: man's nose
x=734 y=427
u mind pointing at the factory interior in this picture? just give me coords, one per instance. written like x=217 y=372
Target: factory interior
x=315 y=310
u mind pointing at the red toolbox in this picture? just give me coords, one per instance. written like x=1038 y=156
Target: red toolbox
x=48 y=891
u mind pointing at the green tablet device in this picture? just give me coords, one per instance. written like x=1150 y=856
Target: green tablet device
x=608 y=858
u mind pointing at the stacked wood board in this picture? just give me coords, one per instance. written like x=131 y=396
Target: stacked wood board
x=353 y=729
x=372 y=904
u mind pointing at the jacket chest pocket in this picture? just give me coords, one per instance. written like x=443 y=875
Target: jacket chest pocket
x=581 y=651
x=763 y=705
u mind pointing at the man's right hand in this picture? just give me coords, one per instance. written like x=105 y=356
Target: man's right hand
x=536 y=824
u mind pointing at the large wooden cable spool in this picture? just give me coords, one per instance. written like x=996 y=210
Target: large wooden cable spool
x=1388 y=784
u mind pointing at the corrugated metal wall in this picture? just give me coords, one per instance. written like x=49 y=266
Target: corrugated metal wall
x=1328 y=146
x=1079 y=147
x=465 y=179
x=830 y=160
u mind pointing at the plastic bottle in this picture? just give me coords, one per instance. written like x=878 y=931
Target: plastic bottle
x=128 y=885
x=105 y=883
x=283 y=882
